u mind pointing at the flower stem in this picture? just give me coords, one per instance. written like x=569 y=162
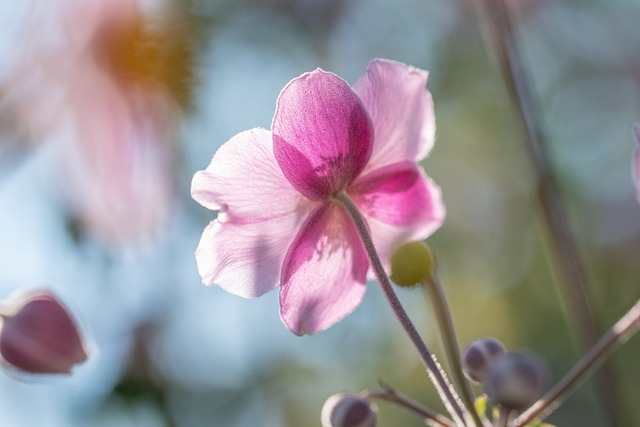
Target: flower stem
x=619 y=333
x=450 y=342
x=390 y=394
x=573 y=286
x=436 y=374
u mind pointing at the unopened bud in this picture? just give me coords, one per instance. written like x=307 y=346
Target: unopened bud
x=411 y=264
x=517 y=380
x=39 y=336
x=348 y=410
x=480 y=357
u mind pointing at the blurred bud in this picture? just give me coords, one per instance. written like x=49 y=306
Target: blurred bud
x=517 y=380
x=480 y=357
x=39 y=336
x=412 y=264
x=348 y=410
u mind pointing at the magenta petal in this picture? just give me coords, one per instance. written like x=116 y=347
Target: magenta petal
x=324 y=273
x=400 y=204
x=401 y=110
x=322 y=135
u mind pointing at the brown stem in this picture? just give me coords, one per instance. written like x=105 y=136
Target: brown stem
x=392 y=395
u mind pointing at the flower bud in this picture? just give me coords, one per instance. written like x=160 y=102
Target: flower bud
x=39 y=336
x=517 y=380
x=348 y=410
x=412 y=264
x=480 y=357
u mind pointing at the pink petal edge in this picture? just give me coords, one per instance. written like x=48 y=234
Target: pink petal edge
x=401 y=109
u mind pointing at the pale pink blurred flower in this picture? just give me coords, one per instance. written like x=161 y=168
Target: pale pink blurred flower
x=278 y=221
x=114 y=84
x=38 y=335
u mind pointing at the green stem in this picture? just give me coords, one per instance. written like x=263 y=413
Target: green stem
x=436 y=374
x=573 y=284
x=450 y=342
x=619 y=333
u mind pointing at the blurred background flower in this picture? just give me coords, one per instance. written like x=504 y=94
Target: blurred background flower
x=107 y=109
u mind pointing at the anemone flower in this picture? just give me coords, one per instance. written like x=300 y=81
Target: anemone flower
x=278 y=219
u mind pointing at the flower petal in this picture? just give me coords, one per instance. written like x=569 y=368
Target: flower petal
x=400 y=203
x=245 y=182
x=322 y=134
x=260 y=214
x=401 y=110
x=324 y=273
x=245 y=259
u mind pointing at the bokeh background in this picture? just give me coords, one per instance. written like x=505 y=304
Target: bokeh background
x=108 y=107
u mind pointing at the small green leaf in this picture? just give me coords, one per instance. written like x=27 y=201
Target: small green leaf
x=481 y=405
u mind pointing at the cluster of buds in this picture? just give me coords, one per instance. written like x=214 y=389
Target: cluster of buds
x=38 y=335
x=513 y=380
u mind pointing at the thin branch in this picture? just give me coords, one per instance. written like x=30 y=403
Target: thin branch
x=450 y=342
x=390 y=394
x=619 y=333
x=573 y=283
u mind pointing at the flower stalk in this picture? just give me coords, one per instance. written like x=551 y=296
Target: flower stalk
x=390 y=394
x=436 y=374
x=619 y=333
x=447 y=332
x=573 y=284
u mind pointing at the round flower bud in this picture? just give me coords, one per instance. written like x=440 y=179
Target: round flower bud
x=517 y=380
x=348 y=410
x=39 y=336
x=480 y=357
x=412 y=264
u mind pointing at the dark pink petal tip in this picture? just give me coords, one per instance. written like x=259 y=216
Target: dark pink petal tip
x=39 y=336
x=322 y=134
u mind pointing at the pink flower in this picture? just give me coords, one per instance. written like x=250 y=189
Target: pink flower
x=278 y=221
x=110 y=86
